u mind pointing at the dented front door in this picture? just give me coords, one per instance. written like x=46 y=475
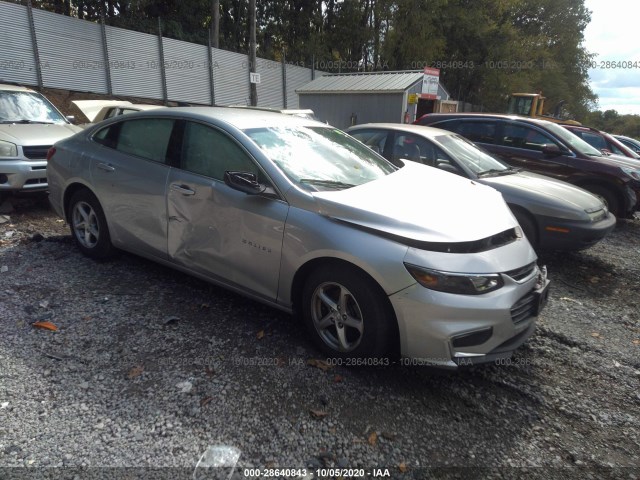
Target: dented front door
x=225 y=234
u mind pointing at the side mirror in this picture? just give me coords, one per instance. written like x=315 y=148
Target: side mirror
x=71 y=118
x=551 y=150
x=447 y=167
x=246 y=182
x=606 y=151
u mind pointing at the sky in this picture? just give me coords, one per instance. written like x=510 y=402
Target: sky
x=613 y=35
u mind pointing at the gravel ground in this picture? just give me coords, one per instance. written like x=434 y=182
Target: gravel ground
x=149 y=368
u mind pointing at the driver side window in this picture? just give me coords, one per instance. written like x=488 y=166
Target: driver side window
x=210 y=152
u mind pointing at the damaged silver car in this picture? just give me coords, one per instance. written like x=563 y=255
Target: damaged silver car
x=298 y=215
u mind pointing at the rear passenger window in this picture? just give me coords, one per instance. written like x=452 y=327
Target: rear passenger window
x=374 y=139
x=476 y=131
x=147 y=138
x=522 y=136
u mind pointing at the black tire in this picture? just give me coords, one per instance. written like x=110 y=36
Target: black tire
x=364 y=300
x=89 y=226
x=529 y=227
x=608 y=196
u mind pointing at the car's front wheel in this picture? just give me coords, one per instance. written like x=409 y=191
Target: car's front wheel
x=89 y=226
x=348 y=314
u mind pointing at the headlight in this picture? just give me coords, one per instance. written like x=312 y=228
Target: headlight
x=632 y=172
x=8 y=149
x=595 y=215
x=461 y=283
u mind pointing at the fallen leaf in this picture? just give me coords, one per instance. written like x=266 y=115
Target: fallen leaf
x=205 y=401
x=373 y=438
x=260 y=334
x=46 y=326
x=636 y=341
x=595 y=335
x=86 y=318
x=209 y=371
x=318 y=413
x=321 y=364
x=402 y=467
x=594 y=279
x=204 y=305
x=135 y=372
x=338 y=379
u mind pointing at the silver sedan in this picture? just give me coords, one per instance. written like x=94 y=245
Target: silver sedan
x=552 y=213
x=300 y=216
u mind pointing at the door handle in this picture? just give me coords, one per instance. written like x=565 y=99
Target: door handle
x=106 y=167
x=182 y=189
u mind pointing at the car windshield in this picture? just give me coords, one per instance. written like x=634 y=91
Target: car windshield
x=27 y=107
x=576 y=142
x=470 y=156
x=320 y=158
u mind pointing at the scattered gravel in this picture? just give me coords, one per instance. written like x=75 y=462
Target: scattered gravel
x=146 y=367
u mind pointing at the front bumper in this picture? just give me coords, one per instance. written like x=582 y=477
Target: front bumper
x=448 y=330
x=23 y=174
x=580 y=235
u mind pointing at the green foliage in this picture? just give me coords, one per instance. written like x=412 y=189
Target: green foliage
x=612 y=122
x=485 y=49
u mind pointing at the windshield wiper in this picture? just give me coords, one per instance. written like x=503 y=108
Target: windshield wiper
x=24 y=120
x=326 y=183
x=494 y=171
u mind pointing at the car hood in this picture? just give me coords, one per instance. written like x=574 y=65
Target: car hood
x=618 y=161
x=37 y=133
x=421 y=203
x=533 y=186
x=91 y=108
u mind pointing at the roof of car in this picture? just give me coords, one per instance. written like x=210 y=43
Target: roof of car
x=452 y=116
x=423 y=130
x=14 y=88
x=241 y=118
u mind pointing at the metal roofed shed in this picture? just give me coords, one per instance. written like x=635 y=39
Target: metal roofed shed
x=349 y=99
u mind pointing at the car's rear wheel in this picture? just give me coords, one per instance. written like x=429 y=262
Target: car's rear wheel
x=347 y=313
x=608 y=196
x=89 y=226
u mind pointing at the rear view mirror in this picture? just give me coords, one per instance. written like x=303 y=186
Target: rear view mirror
x=551 y=150
x=246 y=182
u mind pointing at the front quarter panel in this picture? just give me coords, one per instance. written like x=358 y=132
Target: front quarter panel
x=309 y=236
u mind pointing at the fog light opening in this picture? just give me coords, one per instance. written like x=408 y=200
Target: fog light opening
x=472 y=339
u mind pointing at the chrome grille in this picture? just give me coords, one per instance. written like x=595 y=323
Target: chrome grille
x=521 y=273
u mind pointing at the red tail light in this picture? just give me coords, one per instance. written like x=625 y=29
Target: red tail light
x=50 y=153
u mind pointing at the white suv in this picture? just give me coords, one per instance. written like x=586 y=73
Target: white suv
x=29 y=126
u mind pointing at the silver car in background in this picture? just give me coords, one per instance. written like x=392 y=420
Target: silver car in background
x=29 y=125
x=300 y=216
x=553 y=214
